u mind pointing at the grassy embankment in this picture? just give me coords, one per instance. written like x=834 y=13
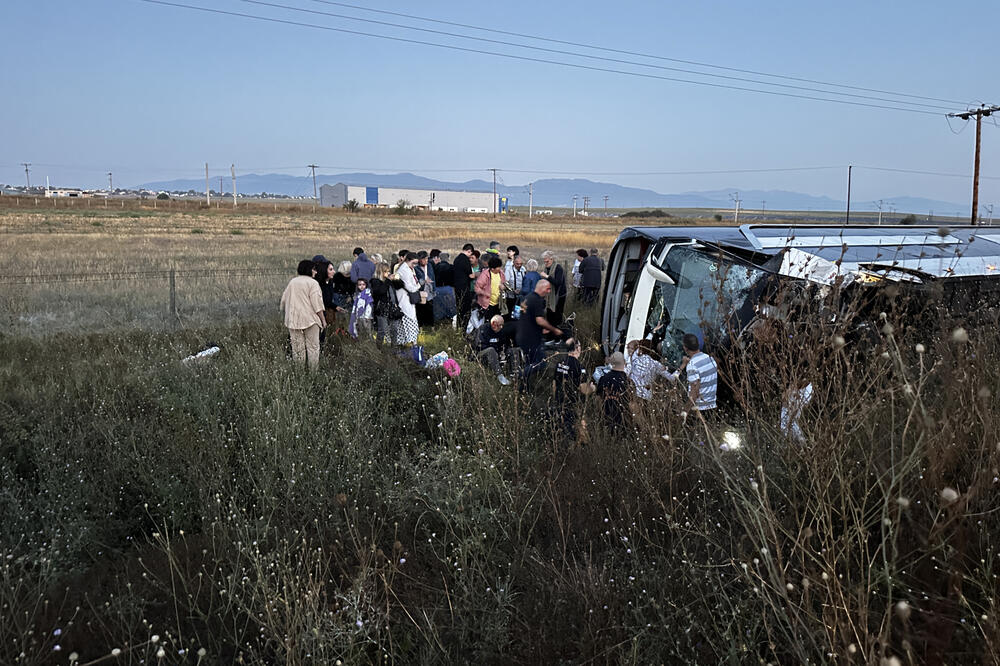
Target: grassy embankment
x=375 y=512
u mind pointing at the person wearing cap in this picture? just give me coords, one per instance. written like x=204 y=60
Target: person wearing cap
x=302 y=303
x=613 y=389
x=363 y=268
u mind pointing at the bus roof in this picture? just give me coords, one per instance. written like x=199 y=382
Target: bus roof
x=911 y=250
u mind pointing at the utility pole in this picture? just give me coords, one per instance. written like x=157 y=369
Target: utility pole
x=111 y=184
x=208 y=192
x=574 y=205
x=848 y=220
x=530 y=201
x=232 y=171
x=735 y=197
x=983 y=110
x=27 y=172
x=494 y=192
x=315 y=195
x=605 y=205
x=879 y=203
x=586 y=205
x=763 y=205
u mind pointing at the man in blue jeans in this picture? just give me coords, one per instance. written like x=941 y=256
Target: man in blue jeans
x=532 y=324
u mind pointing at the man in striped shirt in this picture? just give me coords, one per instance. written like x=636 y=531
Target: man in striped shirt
x=702 y=374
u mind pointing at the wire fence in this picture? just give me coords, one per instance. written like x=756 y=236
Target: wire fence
x=138 y=300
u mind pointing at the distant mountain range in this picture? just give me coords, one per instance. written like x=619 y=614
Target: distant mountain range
x=559 y=192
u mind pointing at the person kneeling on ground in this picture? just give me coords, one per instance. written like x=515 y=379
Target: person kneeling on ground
x=489 y=343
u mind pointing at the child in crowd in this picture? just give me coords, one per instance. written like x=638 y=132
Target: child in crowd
x=362 y=313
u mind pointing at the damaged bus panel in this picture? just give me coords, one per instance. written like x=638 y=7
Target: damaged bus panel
x=716 y=281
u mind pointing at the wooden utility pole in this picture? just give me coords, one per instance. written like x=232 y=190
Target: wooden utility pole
x=208 y=192
x=530 y=202
x=315 y=195
x=232 y=171
x=987 y=111
x=27 y=172
x=111 y=184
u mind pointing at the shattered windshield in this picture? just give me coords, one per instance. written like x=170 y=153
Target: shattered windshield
x=708 y=291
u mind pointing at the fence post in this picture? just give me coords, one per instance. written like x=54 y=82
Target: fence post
x=173 y=293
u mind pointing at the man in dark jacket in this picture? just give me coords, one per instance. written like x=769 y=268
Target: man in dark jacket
x=463 y=277
x=363 y=268
x=590 y=279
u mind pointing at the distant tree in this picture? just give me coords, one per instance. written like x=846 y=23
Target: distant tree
x=646 y=213
x=162 y=196
x=909 y=219
x=718 y=217
x=352 y=206
x=402 y=207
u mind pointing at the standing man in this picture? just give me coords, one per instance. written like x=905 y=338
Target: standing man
x=463 y=275
x=702 y=374
x=570 y=386
x=531 y=326
x=590 y=279
x=302 y=302
x=613 y=388
x=363 y=268
x=515 y=280
x=556 y=276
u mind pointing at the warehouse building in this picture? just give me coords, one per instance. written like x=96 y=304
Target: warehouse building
x=389 y=197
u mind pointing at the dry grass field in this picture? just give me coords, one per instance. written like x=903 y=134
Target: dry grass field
x=87 y=268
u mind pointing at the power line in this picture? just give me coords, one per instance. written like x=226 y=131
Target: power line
x=634 y=53
x=590 y=57
x=926 y=173
x=609 y=70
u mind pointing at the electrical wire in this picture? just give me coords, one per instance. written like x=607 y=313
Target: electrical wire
x=635 y=53
x=593 y=57
x=926 y=173
x=524 y=58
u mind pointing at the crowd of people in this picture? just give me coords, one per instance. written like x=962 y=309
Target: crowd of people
x=507 y=305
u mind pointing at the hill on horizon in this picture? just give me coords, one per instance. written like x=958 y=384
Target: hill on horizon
x=559 y=192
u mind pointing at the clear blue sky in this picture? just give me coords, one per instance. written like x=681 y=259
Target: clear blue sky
x=153 y=92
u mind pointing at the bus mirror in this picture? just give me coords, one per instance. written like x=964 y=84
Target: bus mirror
x=658 y=274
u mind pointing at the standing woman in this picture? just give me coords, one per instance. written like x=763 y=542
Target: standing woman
x=343 y=292
x=555 y=274
x=408 y=327
x=324 y=275
x=302 y=302
x=380 y=288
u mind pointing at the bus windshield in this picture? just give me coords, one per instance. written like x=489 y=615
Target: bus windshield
x=708 y=290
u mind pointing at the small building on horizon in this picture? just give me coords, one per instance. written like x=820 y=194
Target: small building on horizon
x=367 y=196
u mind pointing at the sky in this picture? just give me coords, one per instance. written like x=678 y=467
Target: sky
x=153 y=92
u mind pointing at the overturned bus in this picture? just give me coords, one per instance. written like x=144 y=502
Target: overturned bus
x=718 y=281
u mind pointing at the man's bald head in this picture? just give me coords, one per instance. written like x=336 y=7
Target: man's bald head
x=543 y=288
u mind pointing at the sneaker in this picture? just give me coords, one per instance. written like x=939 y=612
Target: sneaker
x=503 y=380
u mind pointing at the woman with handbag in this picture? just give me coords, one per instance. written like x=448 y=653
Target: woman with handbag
x=387 y=313
x=406 y=298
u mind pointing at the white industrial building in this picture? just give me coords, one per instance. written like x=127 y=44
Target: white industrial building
x=389 y=197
